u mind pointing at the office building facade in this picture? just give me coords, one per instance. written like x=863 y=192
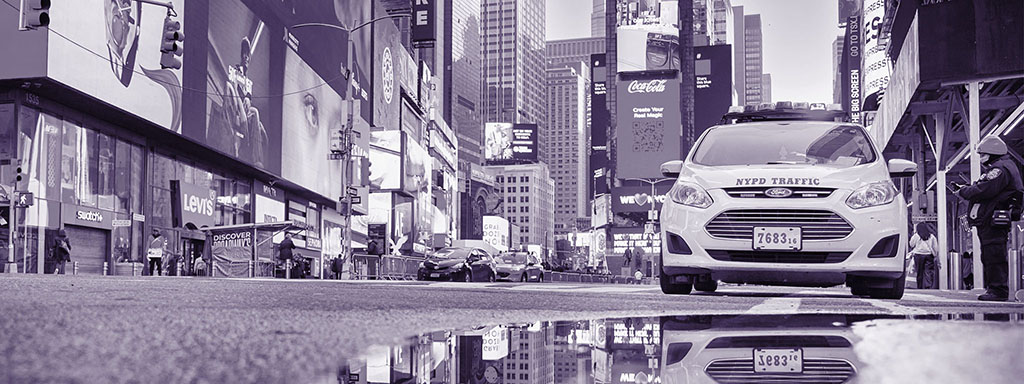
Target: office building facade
x=568 y=88
x=529 y=194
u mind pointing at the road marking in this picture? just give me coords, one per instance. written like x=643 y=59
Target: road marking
x=776 y=305
x=894 y=308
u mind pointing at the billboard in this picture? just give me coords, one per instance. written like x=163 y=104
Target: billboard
x=424 y=16
x=851 y=61
x=647 y=12
x=238 y=83
x=416 y=167
x=602 y=213
x=386 y=160
x=599 y=121
x=647 y=34
x=509 y=143
x=110 y=50
x=192 y=206
x=496 y=232
x=310 y=112
x=634 y=238
x=639 y=199
x=713 y=89
x=875 y=60
x=970 y=40
x=387 y=102
x=649 y=124
x=481 y=200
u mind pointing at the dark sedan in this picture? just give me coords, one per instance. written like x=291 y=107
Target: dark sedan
x=458 y=264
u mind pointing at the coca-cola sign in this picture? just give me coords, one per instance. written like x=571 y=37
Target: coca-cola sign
x=649 y=86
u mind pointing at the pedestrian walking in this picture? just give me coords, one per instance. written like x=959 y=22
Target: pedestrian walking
x=155 y=253
x=285 y=250
x=639 y=276
x=61 y=251
x=924 y=249
x=995 y=202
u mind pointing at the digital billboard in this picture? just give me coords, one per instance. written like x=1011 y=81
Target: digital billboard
x=386 y=160
x=649 y=124
x=639 y=198
x=508 y=143
x=850 y=66
x=713 y=89
x=110 y=49
x=387 y=65
x=647 y=35
x=416 y=166
x=599 y=121
x=238 y=85
x=310 y=112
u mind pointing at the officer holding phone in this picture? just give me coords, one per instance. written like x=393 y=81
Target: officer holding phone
x=995 y=201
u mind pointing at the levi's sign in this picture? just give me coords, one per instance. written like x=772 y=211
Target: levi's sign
x=192 y=204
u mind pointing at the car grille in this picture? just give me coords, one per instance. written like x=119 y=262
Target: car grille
x=779 y=257
x=814 y=224
x=798 y=192
x=815 y=371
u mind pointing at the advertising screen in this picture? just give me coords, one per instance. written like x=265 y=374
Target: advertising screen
x=386 y=81
x=386 y=160
x=416 y=165
x=649 y=125
x=639 y=199
x=647 y=34
x=600 y=118
x=510 y=143
x=238 y=85
x=481 y=200
x=309 y=113
x=496 y=232
x=634 y=238
x=111 y=50
x=713 y=90
x=601 y=214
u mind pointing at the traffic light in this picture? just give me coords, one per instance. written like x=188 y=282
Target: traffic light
x=171 y=46
x=36 y=13
x=17 y=175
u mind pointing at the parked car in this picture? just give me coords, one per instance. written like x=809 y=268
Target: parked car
x=458 y=264
x=519 y=266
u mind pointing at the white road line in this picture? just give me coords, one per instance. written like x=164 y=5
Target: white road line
x=776 y=305
x=894 y=308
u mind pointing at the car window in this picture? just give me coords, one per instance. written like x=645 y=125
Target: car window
x=771 y=143
x=451 y=253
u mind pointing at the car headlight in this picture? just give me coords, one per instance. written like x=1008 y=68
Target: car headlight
x=872 y=195
x=517 y=267
x=690 y=194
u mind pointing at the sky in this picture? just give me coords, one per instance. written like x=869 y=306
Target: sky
x=797 y=35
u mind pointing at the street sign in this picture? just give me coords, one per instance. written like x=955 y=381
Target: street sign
x=353 y=192
x=335 y=156
x=24 y=199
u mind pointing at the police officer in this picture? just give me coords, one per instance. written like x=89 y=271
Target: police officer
x=1000 y=188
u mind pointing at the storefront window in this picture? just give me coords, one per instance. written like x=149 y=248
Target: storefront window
x=122 y=177
x=90 y=175
x=105 y=171
x=69 y=164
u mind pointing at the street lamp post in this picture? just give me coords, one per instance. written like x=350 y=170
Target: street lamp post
x=346 y=152
x=652 y=214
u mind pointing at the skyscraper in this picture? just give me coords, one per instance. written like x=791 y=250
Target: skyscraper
x=573 y=51
x=461 y=84
x=766 y=88
x=752 y=63
x=512 y=52
x=739 y=56
x=568 y=88
x=837 y=80
x=597 y=19
x=529 y=198
x=722 y=22
x=703 y=22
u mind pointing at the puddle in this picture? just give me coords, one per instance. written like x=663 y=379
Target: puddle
x=708 y=349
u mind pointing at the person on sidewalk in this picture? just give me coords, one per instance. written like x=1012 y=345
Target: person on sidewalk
x=285 y=252
x=639 y=276
x=155 y=253
x=924 y=249
x=61 y=251
x=996 y=201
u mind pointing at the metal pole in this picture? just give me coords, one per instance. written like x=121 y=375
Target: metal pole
x=940 y=193
x=21 y=17
x=974 y=133
x=12 y=266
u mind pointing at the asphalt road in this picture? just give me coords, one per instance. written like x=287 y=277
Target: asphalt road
x=122 y=329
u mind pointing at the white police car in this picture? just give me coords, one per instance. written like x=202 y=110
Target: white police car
x=786 y=196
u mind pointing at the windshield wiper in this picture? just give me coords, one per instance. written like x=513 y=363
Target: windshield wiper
x=783 y=162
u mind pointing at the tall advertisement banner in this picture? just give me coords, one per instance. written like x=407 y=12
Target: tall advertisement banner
x=239 y=108
x=852 y=52
x=875 y=60
x=599 y=121
x=310 y=112
x=423 y=18
x=713 y=89
x=481 y=200
x=649 y=125
x=387 y=101
x=110 y=50
x=508 y=143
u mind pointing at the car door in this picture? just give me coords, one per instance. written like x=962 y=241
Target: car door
x=479 y=265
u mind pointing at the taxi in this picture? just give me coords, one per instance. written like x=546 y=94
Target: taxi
x=785 y=194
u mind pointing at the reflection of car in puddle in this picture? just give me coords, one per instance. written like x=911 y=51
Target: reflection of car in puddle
x=759 y=349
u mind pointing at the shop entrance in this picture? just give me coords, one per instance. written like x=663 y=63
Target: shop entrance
x=191 y=251
x=90 y=248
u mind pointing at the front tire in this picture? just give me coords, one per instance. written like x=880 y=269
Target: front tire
x=492 y=277
x=706 y=285
x=523 y=278
x=894 y=293
x=673 y=289
x=467 y=276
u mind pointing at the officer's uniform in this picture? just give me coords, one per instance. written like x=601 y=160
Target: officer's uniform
x=1000 y=183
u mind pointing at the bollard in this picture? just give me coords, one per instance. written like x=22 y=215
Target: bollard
x=287 y=269
x=74 y=267
x=106 y=268
x=251 y=269
x=134 y=272
x=213 y=269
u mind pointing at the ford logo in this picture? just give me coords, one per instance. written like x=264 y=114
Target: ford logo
x=778 y=192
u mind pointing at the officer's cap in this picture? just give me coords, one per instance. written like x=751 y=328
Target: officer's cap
x=992 y=145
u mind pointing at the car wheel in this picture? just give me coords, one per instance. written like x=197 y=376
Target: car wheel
x=706 y=285
x=493 y=277
x=894 y=293
x=540 y=278
x=467 y=276
x=523 y=278
x=674 y=289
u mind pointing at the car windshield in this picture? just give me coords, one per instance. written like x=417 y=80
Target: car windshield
x=451 y=253
x=758 y=144
x=513 y=258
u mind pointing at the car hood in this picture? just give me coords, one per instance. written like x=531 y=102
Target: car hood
x=443 y=263
x=784 y=175
x=506 y=267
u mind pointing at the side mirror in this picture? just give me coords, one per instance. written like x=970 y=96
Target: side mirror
x=671 y=168
x=902 y=168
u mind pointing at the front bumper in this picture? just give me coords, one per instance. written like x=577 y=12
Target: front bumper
x=817 y=263
x=439 y=274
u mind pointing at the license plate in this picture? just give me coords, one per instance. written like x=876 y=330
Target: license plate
x=784 y=238
x=790 y=360
x=435 y=275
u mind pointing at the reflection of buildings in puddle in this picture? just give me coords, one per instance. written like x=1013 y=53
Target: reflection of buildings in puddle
x=683 y=349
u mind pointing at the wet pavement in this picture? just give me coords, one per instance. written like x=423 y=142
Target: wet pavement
x=94 y=329
x=708 y=349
